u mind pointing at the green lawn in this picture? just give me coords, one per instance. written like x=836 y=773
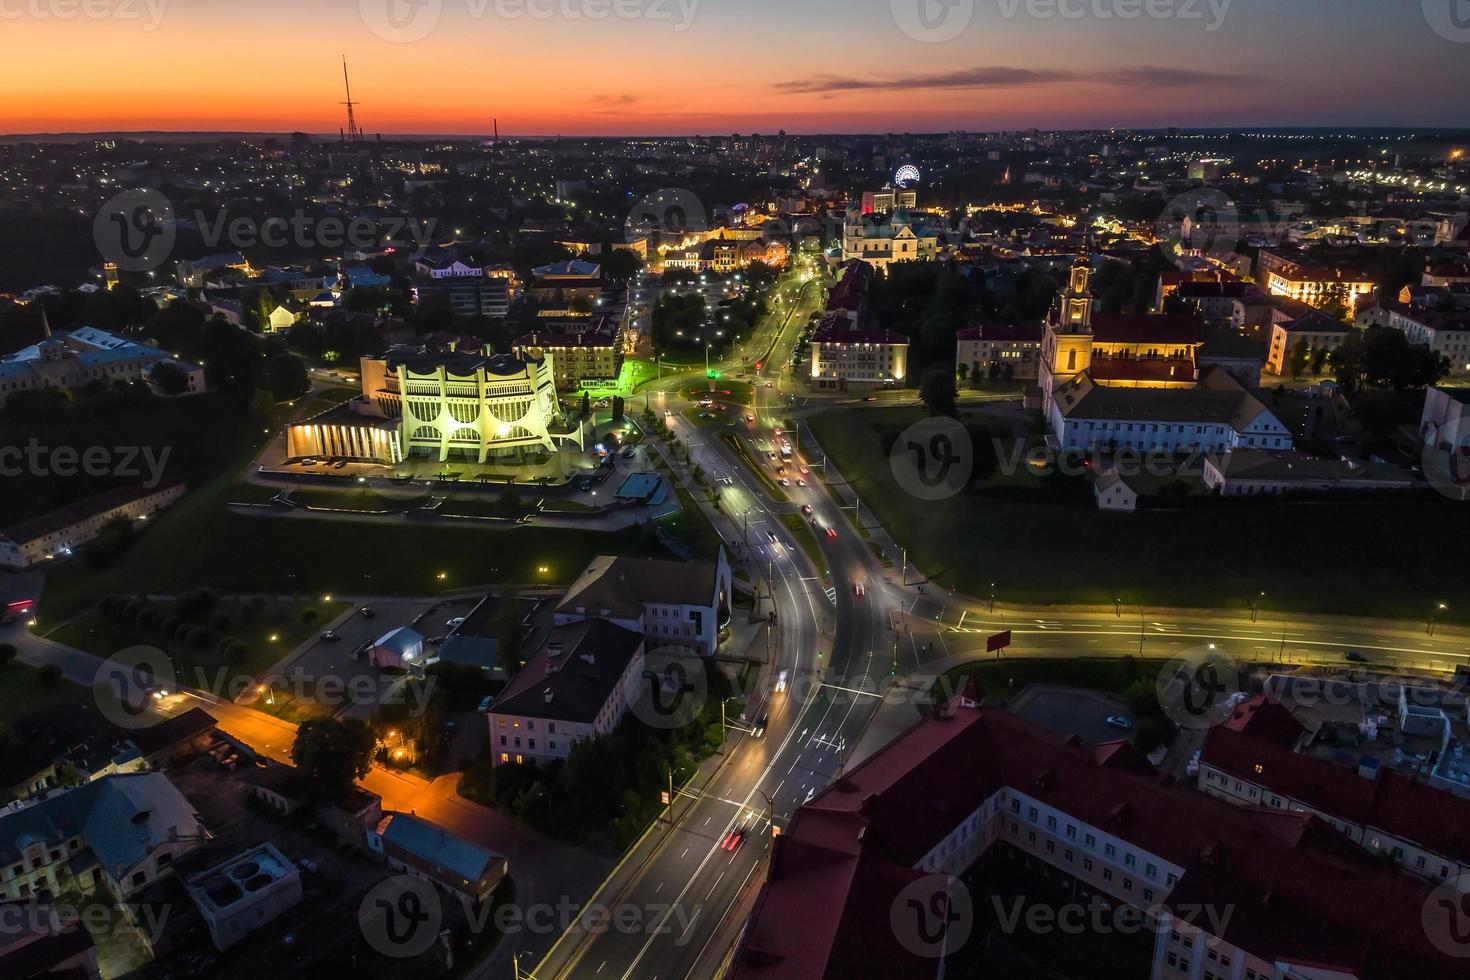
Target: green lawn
x=802 y=531
x=1002 y=680
x=279 y=628
x=1047 y=543
x=22 y=692
x=690 y=525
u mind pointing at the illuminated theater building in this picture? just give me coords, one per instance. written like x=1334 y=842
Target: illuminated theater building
x=464 y=406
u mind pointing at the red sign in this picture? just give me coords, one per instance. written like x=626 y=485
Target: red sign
x=998 y=642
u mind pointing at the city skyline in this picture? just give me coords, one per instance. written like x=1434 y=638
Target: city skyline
x=454 y=66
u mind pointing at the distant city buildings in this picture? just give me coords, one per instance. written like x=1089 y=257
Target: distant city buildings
x=848 y=352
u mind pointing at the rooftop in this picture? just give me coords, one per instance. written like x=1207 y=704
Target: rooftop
x=573 y=675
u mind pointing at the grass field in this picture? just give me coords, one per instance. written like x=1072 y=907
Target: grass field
x=279 y=628
x=22 y=692
x=1049 y=545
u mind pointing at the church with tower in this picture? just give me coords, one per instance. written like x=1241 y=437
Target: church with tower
x=1136 y=380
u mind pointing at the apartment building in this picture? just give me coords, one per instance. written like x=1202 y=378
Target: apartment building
x=1007 y=350
x=64 y=530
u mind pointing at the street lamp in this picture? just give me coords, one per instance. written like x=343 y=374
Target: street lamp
x=1255 y=606
x=1433 y=616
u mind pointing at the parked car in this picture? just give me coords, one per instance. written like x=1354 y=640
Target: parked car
x=485 y=704
x=1353 y=656
x=308 y=865
x=629 y=453
x=331 y=635
x=367 y=612
x=1118 y=721
x=455 y=623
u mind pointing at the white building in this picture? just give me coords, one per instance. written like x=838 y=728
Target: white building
x=1250 y=472
x=674 y=603
x=240 y=895
x=1217 y=415
x=881 y=240
x=1446 y=333
x=447 y=406
x=66 y=529
x=579 y=685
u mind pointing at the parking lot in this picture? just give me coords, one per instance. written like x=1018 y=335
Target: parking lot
x=1072 y=711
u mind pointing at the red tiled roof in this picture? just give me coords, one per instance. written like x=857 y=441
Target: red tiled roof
x=846 y=856
x=1007 y=332
x=1394 y=803
x=1120 y=370
x=1270 y=721
x=1148 y=328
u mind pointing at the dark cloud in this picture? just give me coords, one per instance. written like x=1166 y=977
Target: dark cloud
x=1001 y=77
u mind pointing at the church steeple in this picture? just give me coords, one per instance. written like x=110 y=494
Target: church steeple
x=1074 y=312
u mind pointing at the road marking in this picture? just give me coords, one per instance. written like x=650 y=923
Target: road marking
x=604 y=963
x=717 y=882
x=686 y=850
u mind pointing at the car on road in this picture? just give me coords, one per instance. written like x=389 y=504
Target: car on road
x=781 y=680
x=772 y=536
x=760 y=726
x=485 y=704
x=331 y=635
x=629 y=453
x=859 y=589
x=800 y=482
x=455 y=623
x=771 y=456
x=784 y=481
x=1353 y=656
x=735 y=838
x=806 y=508
x=1118 y=721
x=871 y=398
x=831 y=532
x=585 y=485
x=749 y=418
x=367 y=612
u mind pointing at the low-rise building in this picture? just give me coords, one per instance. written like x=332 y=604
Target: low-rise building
x=674 y=603
x=1114 y=493
x=579 y=685
x=1217 y=415
x=1251 y=472
x=66 y=529
x=976 y=792
x=67 y=361
x=428 y=851
x=1007 y=351
x=238 y=896
x=118 y=833
x=1317 y=284
x=1446 y=331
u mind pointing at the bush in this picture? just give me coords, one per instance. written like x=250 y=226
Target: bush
x=199 y=638
x=234 y=650
x=150 y=617
x=183 y=629
x=308 y=616
x=132 y=608
x=197 y=603
x=7 y=653
x=220 y=621
x=49 y=675
x=171 y=623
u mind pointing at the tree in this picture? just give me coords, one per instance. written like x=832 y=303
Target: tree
x=169 y=378
x=1319 y=360
x=333 y=754
x=1297 y=357
x=937 y=390
x=620 y=264
x=285 y=377
x=7 y=653
x=963 y=370
x=510 y=634
x=586 y=405
x=49 y=675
